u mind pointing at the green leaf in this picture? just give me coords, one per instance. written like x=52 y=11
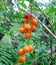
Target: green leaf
x=51 y=10
x=35 y=9
x=23 y=4
x=3 y=60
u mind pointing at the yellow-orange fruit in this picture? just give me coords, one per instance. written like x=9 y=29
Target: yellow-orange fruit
x=34 y=21
x=26 y=21
x=31 y=47
x=27 y=27
x=26 y=49
x=22 y=58
x=28 y=35
x=21 y=51
x=22 y=30
x=27 y=16
x=33 y=27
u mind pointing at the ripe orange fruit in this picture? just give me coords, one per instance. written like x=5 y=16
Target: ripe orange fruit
x=31 y=47
x=27 y=16
x=26 y=20
x=21 y=52
x=22 y=58
x=22 y=30
x=27 y=27
x=33 y=27
x=28 y=35
x=26 y=49
x=34 y=21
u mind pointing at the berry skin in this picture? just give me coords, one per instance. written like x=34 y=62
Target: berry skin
x=21 y=52
x=34 y=21
x=22 y=30
x=26 y=21
x=28 y=35
x=27 y=16
x=22 y=58
x=31 y=47
x=27 y=27
x=26 y=49
x=33 y=27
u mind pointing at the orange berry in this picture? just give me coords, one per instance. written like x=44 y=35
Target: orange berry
x=26 y=49
x=22 y=30
x=33 y=27
x=26 y=20
x=27 y=16
x=21 y=52
x=28 y=35
x=34 y=21
x=27 y=27
x=31 y=47
x=22 y=58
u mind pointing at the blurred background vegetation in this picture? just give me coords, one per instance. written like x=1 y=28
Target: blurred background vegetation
x=11 y=19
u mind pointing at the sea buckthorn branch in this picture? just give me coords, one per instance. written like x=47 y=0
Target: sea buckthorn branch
x=43 y=26
x=47 y=28
x=41 y=23
x=46 y=19
x=51 y=47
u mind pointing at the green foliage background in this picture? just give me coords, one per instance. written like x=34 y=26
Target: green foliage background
x=10 y=23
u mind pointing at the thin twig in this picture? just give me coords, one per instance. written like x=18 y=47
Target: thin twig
x=47 y=28
x=41 y=11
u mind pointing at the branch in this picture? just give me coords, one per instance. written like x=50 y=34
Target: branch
x=44 y=24
x=41 y=11
x=40 y=21
x=47 y=28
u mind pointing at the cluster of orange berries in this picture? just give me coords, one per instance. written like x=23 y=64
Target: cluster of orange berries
x=29 y=25
x=24 y=50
